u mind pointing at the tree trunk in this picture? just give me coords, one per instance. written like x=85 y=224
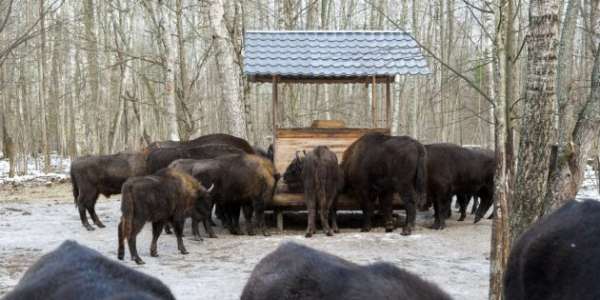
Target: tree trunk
x=43 y=91
x=536 y=132
x=501 y=243
x=93 y=75
x=227 y=69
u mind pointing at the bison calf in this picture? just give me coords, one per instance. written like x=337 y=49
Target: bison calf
x=76 y=272
x=294 y=271
x=104 y=174
x=321 y=179
x=557 y=258
x=168 y=196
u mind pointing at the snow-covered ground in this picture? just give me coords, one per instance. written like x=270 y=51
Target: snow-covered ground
x=58 y=165
x=35 y=220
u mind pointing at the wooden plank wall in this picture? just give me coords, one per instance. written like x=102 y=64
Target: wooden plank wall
x=288 y=141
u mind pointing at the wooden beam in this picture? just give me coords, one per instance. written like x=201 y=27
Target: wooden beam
x=316 y=80
x=373 y=103
x=388 y=114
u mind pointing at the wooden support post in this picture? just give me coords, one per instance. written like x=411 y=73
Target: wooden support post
x=373 y=101
x=388 y=121
x=274 y=108
x=279 y=217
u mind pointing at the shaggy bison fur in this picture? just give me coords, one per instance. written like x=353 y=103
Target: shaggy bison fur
x=105 y=174
x=376 y=166
x=73 y=271
x=168 y=196
x=320 y=179
x=294 y=271
x=557 y=257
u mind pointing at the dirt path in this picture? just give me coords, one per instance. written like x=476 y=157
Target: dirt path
x=36 y=220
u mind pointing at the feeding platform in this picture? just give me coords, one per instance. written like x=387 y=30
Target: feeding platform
x=326 y=57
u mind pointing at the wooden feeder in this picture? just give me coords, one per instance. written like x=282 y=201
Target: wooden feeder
x=325 y=57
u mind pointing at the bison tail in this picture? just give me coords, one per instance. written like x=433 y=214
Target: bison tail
x=75 y=189
x=127 y=211
x=421 y=175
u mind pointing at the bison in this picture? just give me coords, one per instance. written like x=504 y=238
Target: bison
x=105 y=174
x=162 y=157
x=377 y=166
x=210 y=139
x=452 y=169
x=295 y=271
x=241 y=181
x=168 y=196
x=73 y=271
x=557 y=257
x=320 y=178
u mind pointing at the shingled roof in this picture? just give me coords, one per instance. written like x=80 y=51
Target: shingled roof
x=332 y=54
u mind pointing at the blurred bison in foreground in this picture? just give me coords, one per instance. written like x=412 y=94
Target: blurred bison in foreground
x=320 y=178
x=558 y=257
x=73 y=271
x=376 y=166
x=294 y=271
x=104 y=174
x=452 y=169
x=168 y=196
x=241 y=181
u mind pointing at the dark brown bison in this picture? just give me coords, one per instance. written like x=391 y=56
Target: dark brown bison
x=209 y=139
x=298 y=272
x=320 y=179
x=242 y=181
x=73 y=271
x=168 y=196
x=161 y=158
x=557 y=257
x=376 y=166
x=105 y=174
x=452 y=169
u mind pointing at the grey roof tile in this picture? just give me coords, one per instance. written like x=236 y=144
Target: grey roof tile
x=332 y=53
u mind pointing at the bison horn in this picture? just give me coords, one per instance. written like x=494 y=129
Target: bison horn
x=211 y=188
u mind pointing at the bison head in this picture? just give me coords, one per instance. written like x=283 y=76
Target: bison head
x=293 y=174
x=204 y=202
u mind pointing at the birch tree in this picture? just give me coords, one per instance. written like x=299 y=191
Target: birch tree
x=227 y=68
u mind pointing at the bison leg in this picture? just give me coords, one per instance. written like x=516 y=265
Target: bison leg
x=178 y=228
x=409 y=200
x=207 y=222
x=248 y=211
x=168 y=229
x=83 y=217
x=385 y=202
x=439 y=222
x=462 y=202
x=121 y=237
x=92 y=211
x=475 y=205
x=131 y=241
x=233 y=215
x=259 y=208
x=311 y=209
x=196 y=230
x=333 y=218
x=324 y=214
x=157 y=228
x=367 y=208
